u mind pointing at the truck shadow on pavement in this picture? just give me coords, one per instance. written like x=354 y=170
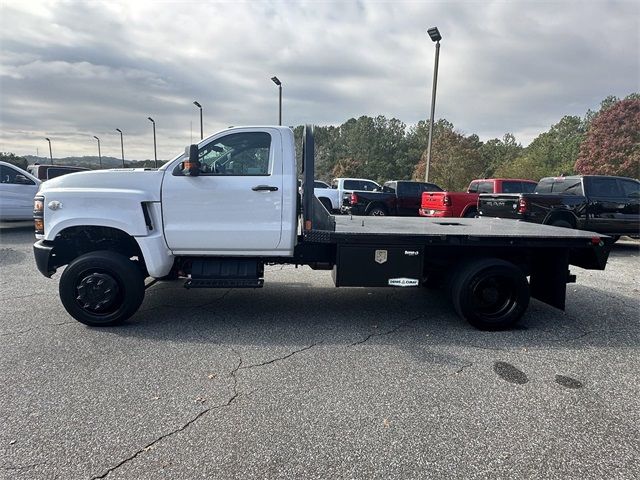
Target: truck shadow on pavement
x=296 y=315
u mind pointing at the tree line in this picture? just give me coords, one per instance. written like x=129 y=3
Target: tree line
x=606 y=141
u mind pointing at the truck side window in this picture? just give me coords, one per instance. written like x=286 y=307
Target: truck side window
x=8 y=175
x=573 y=189
x=485 y=187
x=390 y=187
x=630 y=188
x=237 y=154
x=604 y=187
x=369 y=186
x=411 y=189
x=473 y=187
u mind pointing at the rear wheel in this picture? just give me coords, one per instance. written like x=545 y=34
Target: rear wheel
x=101 y=288
x=377 y=211
x=471 y=214
x=491 y=294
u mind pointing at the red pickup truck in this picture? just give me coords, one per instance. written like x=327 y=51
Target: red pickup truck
x=464 y=204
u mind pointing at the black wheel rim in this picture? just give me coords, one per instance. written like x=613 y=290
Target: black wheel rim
x=494 y=296
x=98 y=292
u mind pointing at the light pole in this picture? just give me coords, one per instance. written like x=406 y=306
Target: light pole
x=121 y=145
x=50 y=153
x=99 y=154
x=155 y=152
x=436 y=37
x=279 y=84
x=201 y=129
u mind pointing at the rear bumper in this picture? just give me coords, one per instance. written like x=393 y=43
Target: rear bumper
x=425 y=212
x=353 y=210
x=42 y=252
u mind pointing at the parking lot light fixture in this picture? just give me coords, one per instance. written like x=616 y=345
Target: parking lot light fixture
x=434 y=33
x=99 y=154
x=50 y=153
x=121 y=145
x=197 y=104
x=279 y=84
x=155 y=151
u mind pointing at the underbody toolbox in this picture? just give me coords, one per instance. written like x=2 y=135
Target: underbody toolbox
x=378 y=266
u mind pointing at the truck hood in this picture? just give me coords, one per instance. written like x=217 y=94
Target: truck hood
x=143 y=182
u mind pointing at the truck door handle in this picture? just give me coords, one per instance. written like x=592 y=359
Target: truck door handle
x=264 y=188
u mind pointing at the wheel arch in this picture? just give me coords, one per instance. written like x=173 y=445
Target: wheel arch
x=75 y=241
x=561 y=215
x=373 y=205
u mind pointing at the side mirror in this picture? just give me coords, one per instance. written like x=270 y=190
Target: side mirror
x=191 y=166
x=22 y=180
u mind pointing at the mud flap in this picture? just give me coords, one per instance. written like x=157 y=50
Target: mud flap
x=549 y=277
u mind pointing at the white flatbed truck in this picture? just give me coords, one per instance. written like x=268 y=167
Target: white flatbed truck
x=218 y=213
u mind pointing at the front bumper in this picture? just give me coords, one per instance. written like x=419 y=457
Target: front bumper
x=42 y=251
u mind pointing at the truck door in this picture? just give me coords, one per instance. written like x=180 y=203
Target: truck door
x=235 y=205
x=604 y=204
x=631 y=207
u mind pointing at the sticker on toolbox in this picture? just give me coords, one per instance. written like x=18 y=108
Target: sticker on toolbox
x=404 y=282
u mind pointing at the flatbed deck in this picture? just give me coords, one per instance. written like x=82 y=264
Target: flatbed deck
x=458 y=231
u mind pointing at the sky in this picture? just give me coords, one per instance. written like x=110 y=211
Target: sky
x=70 y=70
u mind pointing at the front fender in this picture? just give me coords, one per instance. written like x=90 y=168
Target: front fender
x=120 y=209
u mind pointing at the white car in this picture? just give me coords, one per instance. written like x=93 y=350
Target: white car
x=17 y=189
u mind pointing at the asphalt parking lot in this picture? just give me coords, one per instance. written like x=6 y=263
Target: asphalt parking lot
x=303 y=380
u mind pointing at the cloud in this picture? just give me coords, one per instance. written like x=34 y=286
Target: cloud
x=71 y=70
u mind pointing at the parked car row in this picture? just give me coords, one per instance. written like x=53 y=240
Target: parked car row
x=605 y=204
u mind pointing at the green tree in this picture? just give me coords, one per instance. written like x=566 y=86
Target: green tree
x=455 y=159
x=497 y=154
x=13 y=159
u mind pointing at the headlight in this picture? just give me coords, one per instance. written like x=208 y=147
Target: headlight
x=38 y=214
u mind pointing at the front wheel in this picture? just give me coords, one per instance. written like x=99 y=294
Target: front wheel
x=101 y=288
x=491 y=294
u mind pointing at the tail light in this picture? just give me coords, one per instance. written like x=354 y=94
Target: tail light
x=446 y=201
x=523 y=206
x=354 y=198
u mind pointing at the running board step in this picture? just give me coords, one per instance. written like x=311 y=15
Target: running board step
x=226 y=273
x=224 y=283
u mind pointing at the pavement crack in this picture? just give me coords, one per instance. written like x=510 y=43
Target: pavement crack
x=235 y=394
x=388 y=332
x=466 y=365
x=274 y=360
